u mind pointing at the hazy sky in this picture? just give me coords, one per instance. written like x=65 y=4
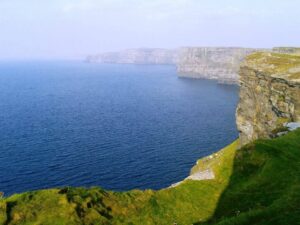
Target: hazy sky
x=75 y=28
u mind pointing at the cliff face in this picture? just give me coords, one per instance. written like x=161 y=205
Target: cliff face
x=287 y=50
x=221 y=64
x=269 y=94
x=212 y=63
x=137 y=56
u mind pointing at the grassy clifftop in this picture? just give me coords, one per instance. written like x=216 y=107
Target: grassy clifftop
x=187 y=203
x=264 y=187
x=286 y=66
x=258 y=184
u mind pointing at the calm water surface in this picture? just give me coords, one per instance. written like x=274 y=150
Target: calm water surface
x=116 y=126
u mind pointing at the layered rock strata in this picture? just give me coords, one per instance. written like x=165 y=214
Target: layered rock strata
x=219 y=63
x=137 y=56
x=269 y=94
x=287 y=50
x=212 y=63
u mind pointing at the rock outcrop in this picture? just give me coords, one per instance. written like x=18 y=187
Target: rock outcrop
x=269 y=94
x=287 y=50
x=137 y=56
x=212 y=63
x=220 y=64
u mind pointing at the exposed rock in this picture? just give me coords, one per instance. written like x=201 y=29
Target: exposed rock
x=212 y=63
x=287 y=50
x=281 y=133
x=137 y=56
x=221 y=64
x=269 y=94
x=292 y=126
x=199 y=175
x=202 y=175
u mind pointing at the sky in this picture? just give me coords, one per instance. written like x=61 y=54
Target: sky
x=69 y=29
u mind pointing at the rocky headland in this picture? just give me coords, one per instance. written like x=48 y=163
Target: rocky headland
x=137 y=56
x=218 y=63
x=287 y=50
x=269 y=95
x=255 y=183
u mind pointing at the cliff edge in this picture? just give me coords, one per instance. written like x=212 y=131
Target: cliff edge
x=269 y=94
x=257 y=184
x=218 y=63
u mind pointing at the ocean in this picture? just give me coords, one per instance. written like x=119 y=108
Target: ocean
x=120 y=127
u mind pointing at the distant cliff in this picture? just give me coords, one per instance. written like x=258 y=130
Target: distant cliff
x=287 y=50
x=269 y=94
x=221 y=64
x=212 y=63
x=261 y=179
x=137 y=56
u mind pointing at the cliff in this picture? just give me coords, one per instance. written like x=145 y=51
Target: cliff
x=269 y=95
x=212 y=63
x=137 y=56
x=220 y=64
x=287 y=50
x=261 y=179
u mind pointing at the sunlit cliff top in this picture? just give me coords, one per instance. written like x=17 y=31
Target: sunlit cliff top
x=279 y=65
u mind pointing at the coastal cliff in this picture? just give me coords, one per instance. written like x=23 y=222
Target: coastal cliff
x=137 y=56
x=215 y=63
x=269 y=95
x=261 y=179
x=220 y=64
x=287 y=50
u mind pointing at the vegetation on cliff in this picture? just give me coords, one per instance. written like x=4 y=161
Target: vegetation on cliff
x=258 y=184
x=265 y=184
x=269 y=95
x=187 y=203
x=286 y=66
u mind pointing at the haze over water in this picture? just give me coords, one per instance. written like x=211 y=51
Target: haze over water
x=116 y=126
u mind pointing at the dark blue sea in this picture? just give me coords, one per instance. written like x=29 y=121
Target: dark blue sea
x=120 y=127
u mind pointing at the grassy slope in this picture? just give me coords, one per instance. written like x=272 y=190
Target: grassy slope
x=259 y=184
x=265 y=184
x=189 y=202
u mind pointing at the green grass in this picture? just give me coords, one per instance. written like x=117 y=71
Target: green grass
x=265 y=185
x=258 y=184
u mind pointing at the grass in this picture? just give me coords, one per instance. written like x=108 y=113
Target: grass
x=295 y=76
x=265 y=185
x=285 y=65
x=258 y=184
